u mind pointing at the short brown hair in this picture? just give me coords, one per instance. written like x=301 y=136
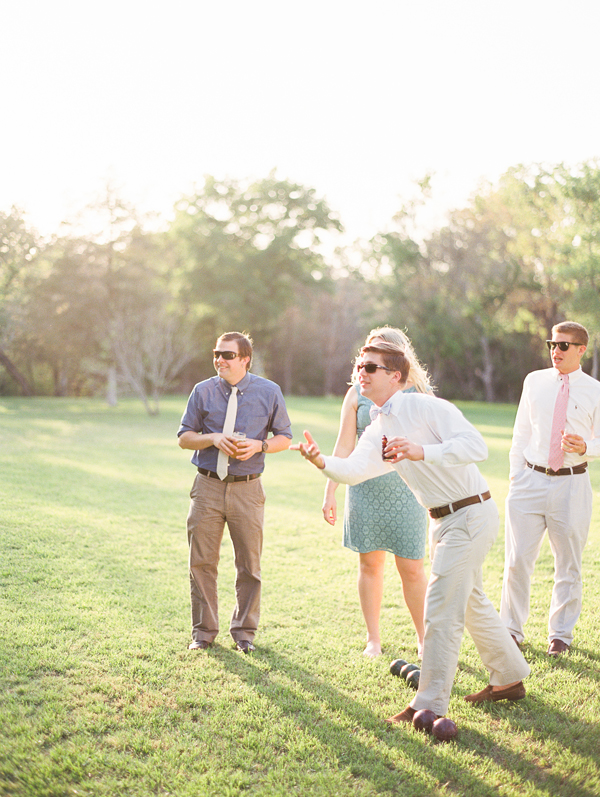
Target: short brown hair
x=574 y=329
x=392 y=356
x=244 y=342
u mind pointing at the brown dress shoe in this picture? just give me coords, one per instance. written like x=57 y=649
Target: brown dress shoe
x=245 y=646
x=404 y=716
x=516 y=641
x=516 y=692
x=201 y=645
x=558 y=647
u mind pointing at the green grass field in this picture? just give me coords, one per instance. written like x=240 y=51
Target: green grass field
x=99 y=695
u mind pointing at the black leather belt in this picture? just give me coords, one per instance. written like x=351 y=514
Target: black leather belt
x=250 y=477
x=561 y=471
x=442 y=511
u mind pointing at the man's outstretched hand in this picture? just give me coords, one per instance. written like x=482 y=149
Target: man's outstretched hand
x=309 y=450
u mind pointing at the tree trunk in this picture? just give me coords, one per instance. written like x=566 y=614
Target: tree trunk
x=287 y=382
x=329 y=350
x=15 y=373
x=487 y=374
x=111 y=387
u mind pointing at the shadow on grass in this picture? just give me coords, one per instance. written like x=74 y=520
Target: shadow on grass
x=541 y=718
x=377 y=762
x=541 y=776
x=575 y=661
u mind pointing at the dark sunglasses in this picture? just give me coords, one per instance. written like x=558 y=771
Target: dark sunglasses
x=370 y=368
x=563 y=345
x=226 y=355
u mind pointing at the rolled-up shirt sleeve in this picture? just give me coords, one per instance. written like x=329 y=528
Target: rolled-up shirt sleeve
x=280 y=421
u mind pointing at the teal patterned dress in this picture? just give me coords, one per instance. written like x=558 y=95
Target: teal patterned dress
x=382 y=514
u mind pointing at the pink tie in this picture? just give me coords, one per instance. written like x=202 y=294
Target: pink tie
x=559 y=420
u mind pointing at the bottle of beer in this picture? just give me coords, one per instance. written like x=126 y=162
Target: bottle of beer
x=383 y=445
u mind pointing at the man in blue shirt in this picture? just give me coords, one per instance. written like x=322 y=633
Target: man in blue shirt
x=236 y=498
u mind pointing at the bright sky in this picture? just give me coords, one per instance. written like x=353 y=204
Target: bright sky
x=355 y=99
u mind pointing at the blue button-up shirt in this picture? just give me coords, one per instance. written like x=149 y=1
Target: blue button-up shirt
x=260 y=410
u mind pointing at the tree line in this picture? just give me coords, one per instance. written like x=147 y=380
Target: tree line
x=114 y=305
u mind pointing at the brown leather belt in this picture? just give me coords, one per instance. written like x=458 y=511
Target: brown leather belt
x=442 y=511
x=250 y=477
x=561 y=471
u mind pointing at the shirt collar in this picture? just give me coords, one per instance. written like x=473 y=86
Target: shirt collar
x=573 y=376
x=396 y=399
x=241 y=385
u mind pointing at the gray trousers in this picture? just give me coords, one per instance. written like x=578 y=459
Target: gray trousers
x=241 y=505
x=455 y=600
x=563 y=506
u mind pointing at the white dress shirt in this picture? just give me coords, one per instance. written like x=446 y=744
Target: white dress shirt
x=450 y=444
x=533 y=424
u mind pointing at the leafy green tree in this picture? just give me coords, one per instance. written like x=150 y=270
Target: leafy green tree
x=242 y=251
x=575 y=194
x=104 y=311
x=19 y=250
x=556 y=216
x=62 y=310
x=467 y=295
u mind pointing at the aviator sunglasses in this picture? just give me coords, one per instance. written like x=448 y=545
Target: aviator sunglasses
x=563 y=345
x=226 y=355
x=370 y=368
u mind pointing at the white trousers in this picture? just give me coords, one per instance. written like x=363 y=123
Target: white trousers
x=455 y=600
x=563 y=506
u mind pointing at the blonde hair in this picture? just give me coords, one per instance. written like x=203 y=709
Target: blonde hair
x=573 y=329
x=417 y=374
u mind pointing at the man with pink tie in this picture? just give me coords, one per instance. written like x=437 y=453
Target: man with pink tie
x=555 y=433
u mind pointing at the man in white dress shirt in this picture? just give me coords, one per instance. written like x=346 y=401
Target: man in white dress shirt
x=434 y=448
x=551 y=495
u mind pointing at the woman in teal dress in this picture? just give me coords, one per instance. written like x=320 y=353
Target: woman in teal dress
x=382 y=514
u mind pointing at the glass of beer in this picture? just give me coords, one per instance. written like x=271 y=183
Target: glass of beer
x=239 y=436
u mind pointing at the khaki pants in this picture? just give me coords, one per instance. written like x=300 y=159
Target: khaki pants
x=241 y=506
x=562 y=505
x=455 y=600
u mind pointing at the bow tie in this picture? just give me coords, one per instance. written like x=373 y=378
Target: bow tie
x=375 y=410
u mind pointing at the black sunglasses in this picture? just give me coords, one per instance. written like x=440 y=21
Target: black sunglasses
x=226 y=355
x=370 y=368
x=563 y=345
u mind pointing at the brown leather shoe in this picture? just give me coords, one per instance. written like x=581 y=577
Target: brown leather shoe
x=201 y=645
x=516 y=692
x=404 y=716
x=558 y=647
x=516 y=641
x=245 y=646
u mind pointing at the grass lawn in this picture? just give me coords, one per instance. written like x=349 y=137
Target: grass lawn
x=99 y=695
